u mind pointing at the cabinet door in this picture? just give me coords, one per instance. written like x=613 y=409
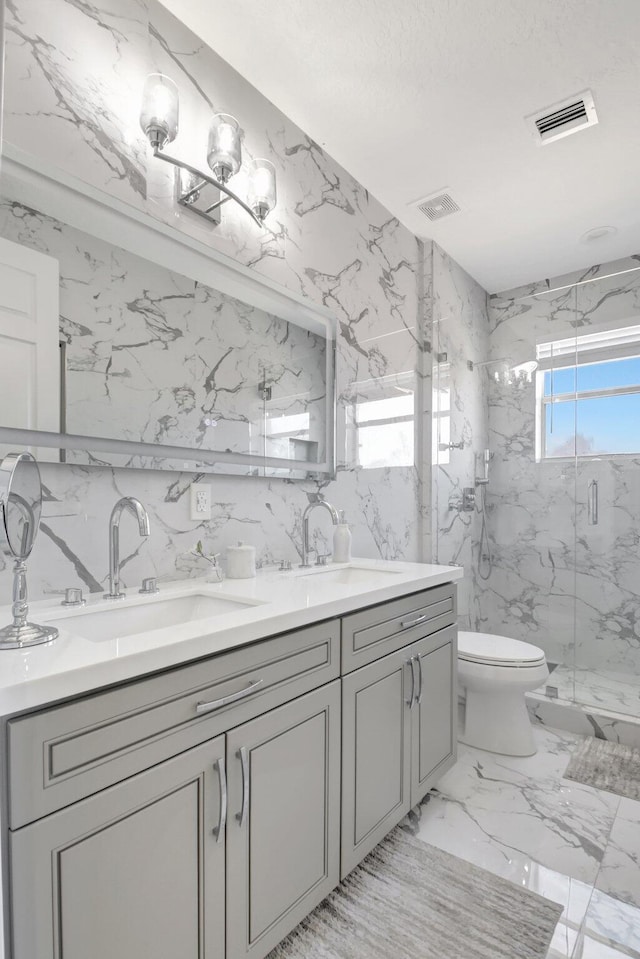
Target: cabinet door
x=433 y=735
x=134 y=871
x=376 y=754
x=283 y=854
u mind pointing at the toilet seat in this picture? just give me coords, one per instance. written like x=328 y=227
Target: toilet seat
x=489 y=650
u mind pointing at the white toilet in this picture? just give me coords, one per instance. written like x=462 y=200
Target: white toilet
x=495 y=673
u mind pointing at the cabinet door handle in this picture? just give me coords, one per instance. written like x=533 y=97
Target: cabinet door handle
x=413 y=622
x=222 y=821
x=409 y=663
x=233 y=698
x=243 y=756
x=419 y=664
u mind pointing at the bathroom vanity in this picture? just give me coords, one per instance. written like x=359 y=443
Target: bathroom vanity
x=194 y=790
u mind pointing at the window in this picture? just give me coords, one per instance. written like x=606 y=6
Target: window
x=380 y=428
x=588 y=393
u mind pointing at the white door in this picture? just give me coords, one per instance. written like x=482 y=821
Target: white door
x=29 y=342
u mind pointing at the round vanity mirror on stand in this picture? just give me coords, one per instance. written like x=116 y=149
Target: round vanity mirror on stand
x=20 y=509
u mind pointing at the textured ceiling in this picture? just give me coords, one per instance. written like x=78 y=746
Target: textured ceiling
x=413 y=96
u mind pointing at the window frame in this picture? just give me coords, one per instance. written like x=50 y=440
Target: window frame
x=387 y=387
x=574 y=353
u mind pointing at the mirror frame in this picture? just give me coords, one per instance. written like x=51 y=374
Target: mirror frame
x=55 y=193
x=8 y=469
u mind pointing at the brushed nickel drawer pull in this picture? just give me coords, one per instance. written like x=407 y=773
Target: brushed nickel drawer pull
x=233 y=698
x=413 y=622
x=419 y=696
x=409 y=702
x=218 y=832
x=244 y=759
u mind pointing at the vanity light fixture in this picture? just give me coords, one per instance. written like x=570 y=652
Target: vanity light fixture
x=159 y=121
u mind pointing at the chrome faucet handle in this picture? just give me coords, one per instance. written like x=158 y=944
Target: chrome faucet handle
x=285 y=565
x=321 y=559
x=149 y=585
x=72 y=596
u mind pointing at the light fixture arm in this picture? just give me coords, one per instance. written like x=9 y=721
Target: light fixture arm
x=194 y=171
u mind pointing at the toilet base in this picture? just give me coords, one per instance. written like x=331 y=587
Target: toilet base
x=498 y=722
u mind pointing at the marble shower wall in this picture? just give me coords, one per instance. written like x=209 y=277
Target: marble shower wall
x=460 y=409
x=73 y=74
x=556 y=581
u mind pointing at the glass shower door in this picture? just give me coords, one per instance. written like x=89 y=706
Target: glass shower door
x=551 y=321
x=607 y=650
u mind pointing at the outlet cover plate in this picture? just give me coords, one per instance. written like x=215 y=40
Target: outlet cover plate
x=200 y=502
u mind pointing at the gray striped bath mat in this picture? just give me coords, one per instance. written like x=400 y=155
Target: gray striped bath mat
x=605 y=765
x=409 y=900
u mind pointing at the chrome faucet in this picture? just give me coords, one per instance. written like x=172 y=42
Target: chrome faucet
x=335 y=519
x=134 y=506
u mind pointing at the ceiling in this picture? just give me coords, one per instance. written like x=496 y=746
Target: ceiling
x=413 y=96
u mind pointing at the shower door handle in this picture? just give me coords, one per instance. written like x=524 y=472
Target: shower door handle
x=592 y=503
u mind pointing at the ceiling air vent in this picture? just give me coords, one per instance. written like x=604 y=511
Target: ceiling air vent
x=562 y=119
x=439 y=206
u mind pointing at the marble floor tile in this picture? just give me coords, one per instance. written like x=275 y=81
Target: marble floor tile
x=611 y=929
x=511 y=814
x=574 y=896
x=577 y=846
x=619 y=873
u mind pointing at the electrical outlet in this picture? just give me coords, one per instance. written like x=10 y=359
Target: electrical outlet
x=200 y=501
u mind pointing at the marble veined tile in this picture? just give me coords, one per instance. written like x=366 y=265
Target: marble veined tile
x=511 y=814
x=584 y=720
x=613 y=692
x=74 y=72
x=574 y=896
x=619 y=874
x=581 y=848
x=611 y=929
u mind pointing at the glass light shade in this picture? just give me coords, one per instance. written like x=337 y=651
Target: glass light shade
x=261 y=192
x=160 y=109
x=225 y=146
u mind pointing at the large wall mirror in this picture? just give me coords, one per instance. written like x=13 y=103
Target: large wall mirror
x=128 y=344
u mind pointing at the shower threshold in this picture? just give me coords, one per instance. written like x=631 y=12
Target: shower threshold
x=601 y=689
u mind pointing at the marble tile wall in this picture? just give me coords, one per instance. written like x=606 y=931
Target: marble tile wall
x=460 y=416
x=73 y=72
x=556 y=581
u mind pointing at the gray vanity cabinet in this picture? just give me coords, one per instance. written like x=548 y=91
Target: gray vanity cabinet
x=283 y=854
x=214 y=852
x=133 y=871
x=202 y=813
x=434 y=734
x=376 y=756
x=142 y=868
x=398 y=738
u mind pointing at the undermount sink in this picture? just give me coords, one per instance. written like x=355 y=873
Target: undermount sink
x=351 y=575
x=115 y=621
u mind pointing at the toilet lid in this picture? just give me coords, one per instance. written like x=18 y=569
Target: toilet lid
x=500 y=650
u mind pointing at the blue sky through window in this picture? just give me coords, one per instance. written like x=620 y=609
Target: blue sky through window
x=592 y=425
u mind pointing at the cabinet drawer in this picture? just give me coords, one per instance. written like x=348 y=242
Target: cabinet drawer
x=59 y=755
x=372 y=633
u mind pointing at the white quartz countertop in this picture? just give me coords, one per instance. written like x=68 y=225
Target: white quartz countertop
x=278 y=601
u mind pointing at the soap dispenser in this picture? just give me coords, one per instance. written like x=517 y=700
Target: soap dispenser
x=341 y=541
